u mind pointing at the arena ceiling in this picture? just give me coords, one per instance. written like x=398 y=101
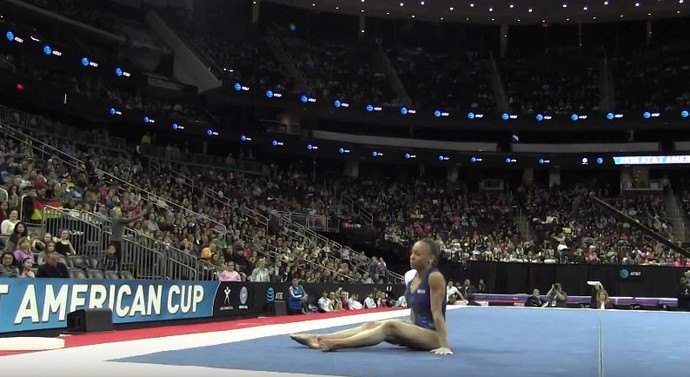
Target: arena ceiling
x=501 y=11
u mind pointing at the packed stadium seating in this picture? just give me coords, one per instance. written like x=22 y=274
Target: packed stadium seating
x=248 y=217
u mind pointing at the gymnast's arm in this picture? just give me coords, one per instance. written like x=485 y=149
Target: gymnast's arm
x=437 y=285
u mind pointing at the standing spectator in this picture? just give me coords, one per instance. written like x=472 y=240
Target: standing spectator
x=117 y=229
x=53 y=268
x=296 y=298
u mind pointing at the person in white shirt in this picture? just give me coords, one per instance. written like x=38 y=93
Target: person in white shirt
x=325 y=304
x=453 y=294
x=353 y=303
x=369 y=302
x=260 y=273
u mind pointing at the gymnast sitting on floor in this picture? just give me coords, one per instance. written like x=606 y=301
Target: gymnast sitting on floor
x=426 y=297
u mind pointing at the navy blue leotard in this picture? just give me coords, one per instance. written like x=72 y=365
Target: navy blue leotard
x=419 y=302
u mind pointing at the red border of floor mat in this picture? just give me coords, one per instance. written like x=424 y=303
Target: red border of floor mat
x=88 y=339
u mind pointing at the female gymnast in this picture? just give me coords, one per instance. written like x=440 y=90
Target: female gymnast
x=426 y=330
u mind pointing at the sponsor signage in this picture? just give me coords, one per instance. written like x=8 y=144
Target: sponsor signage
x=35 y=304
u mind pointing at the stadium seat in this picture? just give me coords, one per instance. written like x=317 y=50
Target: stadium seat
x=112 y=275
x=92 y=262
x=65 y=261
x=95 y=274
x=76 y=273
x=126 y=275
x=77 y=261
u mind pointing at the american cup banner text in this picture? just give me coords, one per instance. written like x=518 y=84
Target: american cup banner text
x=35 y=304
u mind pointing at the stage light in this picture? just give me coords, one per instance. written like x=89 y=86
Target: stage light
x=342 y=150
x=148 y=119
x=118 y=71
x=304 y=99
x=269 y=94
x=574 y=117
x=237 y=87
x=113 y=111
x=540 y=117
x=311 y=147
x=85 y=62
x=505 y=116
x=177 y=127
x=245 y=138
x=470 y=116
x=437 y=113
x=370 y=108
x=211 y=132
x=443 y=158
x=277 y=143
x=404 y=111
x=376 y=154
x=609 y=116
x=10 y=36
x=337 y=103
x=646 y=115
x=410 y=156
x=684 y=113
x=508 y=160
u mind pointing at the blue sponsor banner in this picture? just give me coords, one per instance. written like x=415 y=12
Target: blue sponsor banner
x=35 y=304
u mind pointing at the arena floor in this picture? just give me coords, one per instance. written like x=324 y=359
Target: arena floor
x=488 y=341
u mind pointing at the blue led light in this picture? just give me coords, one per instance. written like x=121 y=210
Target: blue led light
x=112 y=111
x=404 y=111
x=473 y=159
x=310 y=147
x=146 y=119
x=337 y=103
x=505 y=116
x=237 y=87
x=341 y=150
x=304 y=99
x=374 y=154
x=508 y=160
x=541 y=161
x=47 y=50
x=118 y=71
x=274 y=143
x=370 y=108
x=684 y=113
x=84 y=62
x=269 y=94
x=600 y=160
x=437 y=113
x=574 y=117
x=407 y=156
x=209 y=132
x=440 y=158
x=10 y=36
x=175 y=126
x=646 y=115
x=540 y=117
x=609 y=116
x=243 y=138
x=470 y=115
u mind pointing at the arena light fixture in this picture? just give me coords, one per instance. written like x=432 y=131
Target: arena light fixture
x=177 y=127
x=342 y=150
x=245 y=139
x=277 y=143
x=410 y=156
x=312 y=147
x=210 y=132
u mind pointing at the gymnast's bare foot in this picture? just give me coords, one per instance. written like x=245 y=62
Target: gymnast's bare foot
x=327 y=345
x=311 y=341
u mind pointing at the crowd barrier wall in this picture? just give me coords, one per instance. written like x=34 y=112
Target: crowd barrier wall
x=43 y=304
x=619 y=280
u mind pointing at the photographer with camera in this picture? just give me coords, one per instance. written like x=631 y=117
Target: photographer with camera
x=556 y=296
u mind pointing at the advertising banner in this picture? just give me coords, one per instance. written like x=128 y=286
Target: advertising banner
x=35 y=304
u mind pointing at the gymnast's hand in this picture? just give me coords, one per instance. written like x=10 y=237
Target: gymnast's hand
x=442 y=351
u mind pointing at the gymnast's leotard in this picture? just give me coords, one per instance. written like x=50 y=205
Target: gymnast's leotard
x=419 y=302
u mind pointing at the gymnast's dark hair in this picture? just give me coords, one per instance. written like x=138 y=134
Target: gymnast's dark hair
x=434 y=248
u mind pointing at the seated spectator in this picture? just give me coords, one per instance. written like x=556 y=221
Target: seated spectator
x=43 y=255
x=557 y=296
x=53 y=268
x=369 y=302
x=26 y=268
x=64 y=245
x=8 y=269
x=535 y=300
x=109 y=262
x=23 y=251
x=229 y=274
x=353 y=302
x=325 y=304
